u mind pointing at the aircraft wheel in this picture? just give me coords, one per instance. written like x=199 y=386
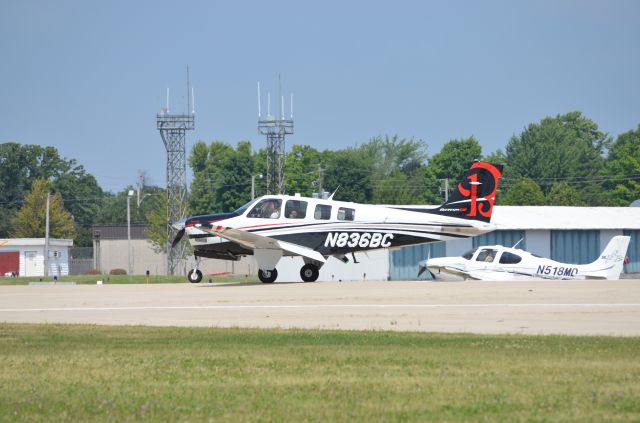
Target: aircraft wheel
x=309 y=272
x=194 y=276
x=267 y=276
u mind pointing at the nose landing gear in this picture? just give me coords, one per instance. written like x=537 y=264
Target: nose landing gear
x=195 y=275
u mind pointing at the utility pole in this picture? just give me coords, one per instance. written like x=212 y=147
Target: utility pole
x=253 y=186
x=320 y=188
x=446 y=189
x=129 y=270
x=46 y=239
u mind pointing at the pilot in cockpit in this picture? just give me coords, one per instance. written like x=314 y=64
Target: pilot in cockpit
x=271 y=210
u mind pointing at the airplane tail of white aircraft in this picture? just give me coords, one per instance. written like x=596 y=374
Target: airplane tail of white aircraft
x=610 y=263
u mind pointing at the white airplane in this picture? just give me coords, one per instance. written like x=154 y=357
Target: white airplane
x=274 y=226
x=498 y=263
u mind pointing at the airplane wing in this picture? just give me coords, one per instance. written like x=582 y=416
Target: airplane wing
x=254 y=241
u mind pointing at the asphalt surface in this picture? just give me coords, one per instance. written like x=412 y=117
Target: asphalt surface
x=536 y=307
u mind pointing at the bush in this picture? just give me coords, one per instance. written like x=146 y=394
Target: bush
x=118 y=272
x=91 y=272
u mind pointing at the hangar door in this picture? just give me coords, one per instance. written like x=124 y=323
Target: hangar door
x=575 y=246
x=403 y=263
x=9 y=262
x=506 y=238
x=633 y=252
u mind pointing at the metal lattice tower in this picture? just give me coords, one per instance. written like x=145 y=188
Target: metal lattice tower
x=173 y=130
x=275 y=130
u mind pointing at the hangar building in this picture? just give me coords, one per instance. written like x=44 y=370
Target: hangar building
x=567 y=234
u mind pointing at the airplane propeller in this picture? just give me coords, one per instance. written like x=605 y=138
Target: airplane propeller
x=178 y=237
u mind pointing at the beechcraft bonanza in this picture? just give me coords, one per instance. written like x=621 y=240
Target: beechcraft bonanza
x=496 y=263
x=274 y=226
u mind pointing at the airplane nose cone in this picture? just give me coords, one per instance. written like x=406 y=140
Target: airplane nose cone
x=180 y=224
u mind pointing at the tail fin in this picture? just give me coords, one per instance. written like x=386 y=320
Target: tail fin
x=474 y=196
x=611 y=261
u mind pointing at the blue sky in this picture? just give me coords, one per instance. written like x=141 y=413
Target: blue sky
x=88 y=77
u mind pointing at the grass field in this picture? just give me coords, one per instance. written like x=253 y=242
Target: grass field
x=89 y=373
x=121 y=279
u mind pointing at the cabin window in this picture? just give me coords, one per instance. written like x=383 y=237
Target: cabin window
x=295 y=209
x=323 y=212
x=346 y=213
x=510 y=258
x=486 y=255
x=268 y=208
x=469 y=254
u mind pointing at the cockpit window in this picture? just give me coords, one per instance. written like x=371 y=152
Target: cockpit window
x=295 y=209
x=346 y=213
x=486 y=255
x=510 y=258
x=469 y=254
x=269 y=208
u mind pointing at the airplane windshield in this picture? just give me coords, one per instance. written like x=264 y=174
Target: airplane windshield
x=469 y=254
x=243 y=208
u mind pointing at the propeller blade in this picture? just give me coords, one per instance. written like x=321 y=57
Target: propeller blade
x=422 y=270
x=178 y=237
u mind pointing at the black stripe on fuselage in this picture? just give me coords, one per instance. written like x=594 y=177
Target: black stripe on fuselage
x=350 y=222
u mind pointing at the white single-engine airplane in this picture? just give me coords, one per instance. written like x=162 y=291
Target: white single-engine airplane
x=274 y=226
x=497 y=263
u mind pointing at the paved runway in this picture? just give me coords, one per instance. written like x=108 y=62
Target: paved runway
x=539 y=307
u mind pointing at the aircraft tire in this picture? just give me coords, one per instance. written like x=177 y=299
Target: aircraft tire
x=194 y=275
x=309 y=272
x=268 y=276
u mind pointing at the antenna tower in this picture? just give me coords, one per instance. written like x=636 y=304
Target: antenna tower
x=275 y=128
x=173 y=128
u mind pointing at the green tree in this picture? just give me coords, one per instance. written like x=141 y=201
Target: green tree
x=157 y=226
x=234 y=188
x=563 y=194
x=397 y=169
x=567 y=148
x=622 y=169
x=82 y=197
x=453 y=159
x=221 y=176
x=525 y=192
x=349 y=170
x=114 y=206
x=22 y=164
x=301 y=169
x=30 y=221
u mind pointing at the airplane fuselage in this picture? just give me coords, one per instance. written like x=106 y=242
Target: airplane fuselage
x=497 y=263
x=332 y=228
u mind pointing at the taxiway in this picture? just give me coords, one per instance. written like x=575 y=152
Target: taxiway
x=534 y=307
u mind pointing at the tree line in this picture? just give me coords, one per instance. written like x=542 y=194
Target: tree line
x=563 y=160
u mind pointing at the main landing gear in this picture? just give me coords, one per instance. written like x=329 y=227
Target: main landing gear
x=309 y=272
x=267 y=276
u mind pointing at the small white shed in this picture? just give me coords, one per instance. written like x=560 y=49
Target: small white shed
x=26 y=256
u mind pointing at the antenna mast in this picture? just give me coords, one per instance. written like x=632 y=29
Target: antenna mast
x=173 y=130
x=275 y=129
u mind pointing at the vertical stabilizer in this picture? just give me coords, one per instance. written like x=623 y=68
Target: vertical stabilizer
x=474 y=196
x=611 y=261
